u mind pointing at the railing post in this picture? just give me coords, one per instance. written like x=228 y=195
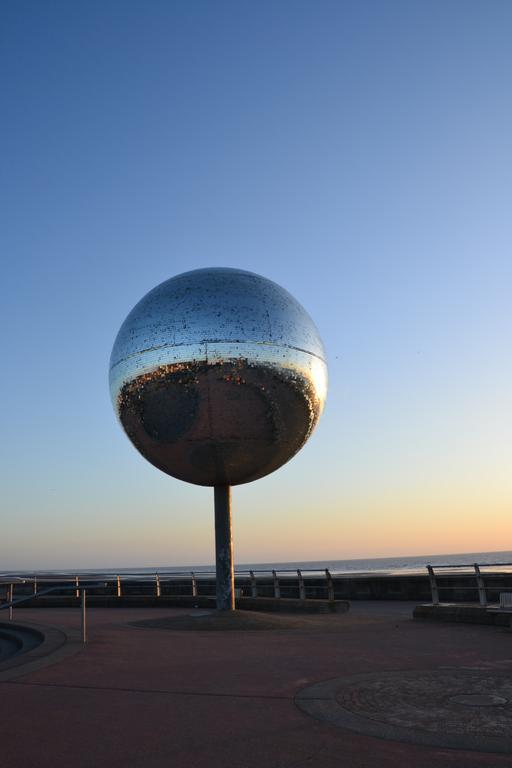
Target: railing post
x=35 y=585
x=277 y=588
x=254 y=586
x=330 y=586
x=77 y=583
x=433 y=585
x=158 y=592
x=83 y=612
x=302 y=588
x=194 y=584
x=482 y=596
x=119 y=586
x=11 y=597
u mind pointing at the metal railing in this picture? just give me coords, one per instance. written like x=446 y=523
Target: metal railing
x=9 y=605
x=475 y=568
x=259 y=582
x=275 y=583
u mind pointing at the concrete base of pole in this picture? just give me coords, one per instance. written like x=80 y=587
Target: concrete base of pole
x=224 y=565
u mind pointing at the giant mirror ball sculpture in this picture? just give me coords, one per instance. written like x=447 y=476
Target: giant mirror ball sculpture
x=218 y=376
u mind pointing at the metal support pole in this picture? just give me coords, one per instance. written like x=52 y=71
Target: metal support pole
x=77 y=582
x=482 y=596
x=277 y=588
x=35 y=585
x=433 y=585
x=194 y=584
x=119 y=586
x=11 y=596
x=158 y=591
x=83 y=627
x=224 y=566
x=302 y=588
x=330 y=586
x=254 y=586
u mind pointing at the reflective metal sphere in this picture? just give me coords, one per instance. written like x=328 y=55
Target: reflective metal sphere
x=218 y=376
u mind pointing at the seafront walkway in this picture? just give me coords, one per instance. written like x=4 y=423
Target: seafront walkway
x=140 y=696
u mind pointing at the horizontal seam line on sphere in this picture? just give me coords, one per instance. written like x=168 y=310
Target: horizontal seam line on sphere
x=215 y=341
x=149 y=690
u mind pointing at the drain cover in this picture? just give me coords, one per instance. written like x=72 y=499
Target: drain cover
x=456 y=708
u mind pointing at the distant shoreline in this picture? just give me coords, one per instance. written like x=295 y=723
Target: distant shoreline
x=384 y=566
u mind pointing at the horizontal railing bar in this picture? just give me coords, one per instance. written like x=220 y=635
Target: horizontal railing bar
x=471 y=565
x=169 y=575
x=145 y=572
x=44 y=592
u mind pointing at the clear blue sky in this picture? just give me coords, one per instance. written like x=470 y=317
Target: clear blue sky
x=359 y=154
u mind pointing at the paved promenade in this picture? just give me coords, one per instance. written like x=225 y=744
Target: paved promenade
x=145 y=697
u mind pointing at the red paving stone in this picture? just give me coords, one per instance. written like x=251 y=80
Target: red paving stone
x=149 y=697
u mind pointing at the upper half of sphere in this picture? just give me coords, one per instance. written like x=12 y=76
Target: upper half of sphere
x=208 y=372
x=215 y=305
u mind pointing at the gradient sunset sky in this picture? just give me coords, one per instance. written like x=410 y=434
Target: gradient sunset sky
x=357 y=153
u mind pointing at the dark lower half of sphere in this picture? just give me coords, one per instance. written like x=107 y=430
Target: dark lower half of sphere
x=220 y=424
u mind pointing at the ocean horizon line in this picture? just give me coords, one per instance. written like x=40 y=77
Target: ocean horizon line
x=402 y=563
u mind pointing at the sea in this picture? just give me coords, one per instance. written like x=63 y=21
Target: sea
x=397 y=565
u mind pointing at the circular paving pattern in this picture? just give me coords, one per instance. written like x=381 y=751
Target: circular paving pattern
x=479 y=700
x=457 y=708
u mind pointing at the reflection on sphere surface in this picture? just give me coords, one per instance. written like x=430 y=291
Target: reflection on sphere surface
x=218 y=376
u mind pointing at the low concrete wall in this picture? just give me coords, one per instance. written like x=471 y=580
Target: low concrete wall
x=466 y=614
x=292 y=606
x=187 y=601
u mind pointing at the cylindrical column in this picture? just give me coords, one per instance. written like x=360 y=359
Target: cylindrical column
x=224 y=566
